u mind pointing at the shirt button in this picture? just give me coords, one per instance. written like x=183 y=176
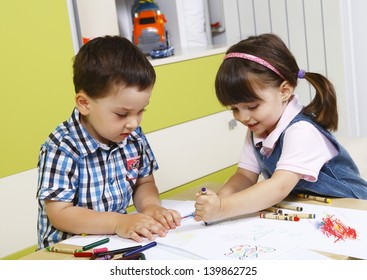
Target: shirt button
x=111 y=181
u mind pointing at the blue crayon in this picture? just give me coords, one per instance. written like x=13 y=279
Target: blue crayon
x=141 y=249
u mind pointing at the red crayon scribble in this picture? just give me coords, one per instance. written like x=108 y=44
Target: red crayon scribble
x=331 y=226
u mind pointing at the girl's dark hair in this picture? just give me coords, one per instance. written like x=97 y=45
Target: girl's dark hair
x=237 y=78
x=105 y=61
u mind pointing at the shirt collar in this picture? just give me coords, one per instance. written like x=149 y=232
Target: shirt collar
x=86 y=143
x=293 y=108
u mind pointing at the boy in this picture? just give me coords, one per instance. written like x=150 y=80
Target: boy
x=91 y=165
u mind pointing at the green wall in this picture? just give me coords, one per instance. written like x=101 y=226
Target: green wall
x=36 y=82
x=35 y=78
x=184 y=91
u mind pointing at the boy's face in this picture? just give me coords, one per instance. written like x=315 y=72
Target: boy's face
x=113 y=117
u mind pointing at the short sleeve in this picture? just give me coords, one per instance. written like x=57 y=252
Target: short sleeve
x=305 y=151
x=248 y=159
x=149 y=163
x=57 y=175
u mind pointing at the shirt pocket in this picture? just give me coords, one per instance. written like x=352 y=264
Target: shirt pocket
x=132 y=168
x=132 y=175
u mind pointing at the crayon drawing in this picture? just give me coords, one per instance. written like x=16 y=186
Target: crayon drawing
x=242 y=252
x=182 y=238
x=334 y=227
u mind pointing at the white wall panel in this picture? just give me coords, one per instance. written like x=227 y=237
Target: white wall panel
x=298 y=44
x=314 y=32
x=337 y=72
x=355 y=44
x=18 y=210
x=195 y=149
x=231 y=21
x=315 y=36
x=279 y=19
x=262 y=16
x=247 y=18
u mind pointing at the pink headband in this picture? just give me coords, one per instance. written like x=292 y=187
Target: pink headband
x=255 y=59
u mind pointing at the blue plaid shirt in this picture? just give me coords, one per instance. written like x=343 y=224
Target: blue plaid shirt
x=73 y=167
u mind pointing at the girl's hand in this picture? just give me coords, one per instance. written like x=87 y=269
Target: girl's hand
x=208 y=206
x=136 y=226
x=168 y=218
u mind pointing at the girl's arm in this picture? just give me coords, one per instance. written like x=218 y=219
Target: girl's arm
x=239 y=181
x=257 y=197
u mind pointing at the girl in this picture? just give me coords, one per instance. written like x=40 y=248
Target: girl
x=290 y=145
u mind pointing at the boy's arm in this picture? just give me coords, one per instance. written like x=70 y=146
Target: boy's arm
x=146 y=200
x=145 y=194
x=78 y=220
x=74 y=219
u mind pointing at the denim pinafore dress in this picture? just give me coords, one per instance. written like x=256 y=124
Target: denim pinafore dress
x=339 y=177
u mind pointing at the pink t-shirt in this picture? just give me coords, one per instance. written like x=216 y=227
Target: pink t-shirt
x=305 y=148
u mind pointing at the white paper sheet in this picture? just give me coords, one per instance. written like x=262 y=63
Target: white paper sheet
x=251 y=237
x=255 y=238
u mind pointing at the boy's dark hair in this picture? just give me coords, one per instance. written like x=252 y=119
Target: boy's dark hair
x=110 y=60
x=237 y=79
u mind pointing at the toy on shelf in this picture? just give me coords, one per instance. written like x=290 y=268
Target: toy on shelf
x=216 y=27
x=149 y=32
x=162 y=52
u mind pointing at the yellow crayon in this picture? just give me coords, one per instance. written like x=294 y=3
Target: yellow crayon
x=288 y=206
x=317 y=198
x=63 y=250
x=278 y=217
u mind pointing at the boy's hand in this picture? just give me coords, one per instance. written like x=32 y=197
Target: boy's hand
x=169 y=218
x=136 y=226
x=207 y=206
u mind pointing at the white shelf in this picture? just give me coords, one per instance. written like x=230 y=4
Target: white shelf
x=182 y=54
x=113 y=17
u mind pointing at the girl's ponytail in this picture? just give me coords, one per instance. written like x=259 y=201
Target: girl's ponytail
x=323 y=107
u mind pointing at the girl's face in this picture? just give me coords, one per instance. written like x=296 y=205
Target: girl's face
x=113 y=117
x=262 y=116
